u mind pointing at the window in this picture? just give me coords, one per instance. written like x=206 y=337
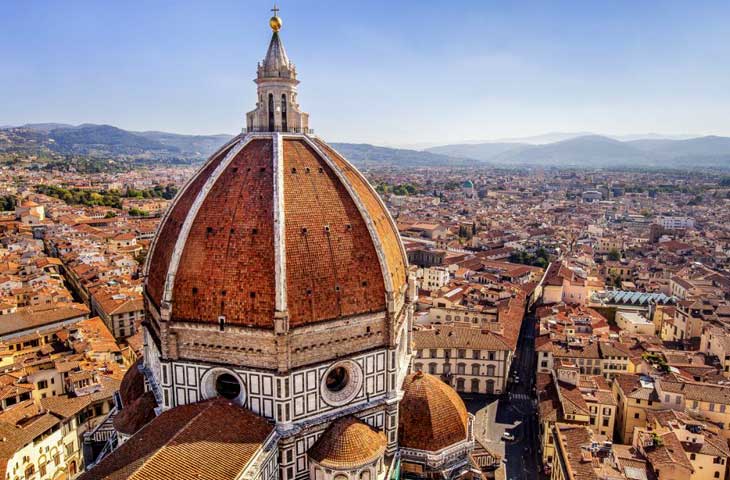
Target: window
x=337 y=379
x=283 y=113
x=605 y=422
x=462 y=353
x=692 y=456
x=636 y=415
x=447 y=368
x=712 y=407
x=418 y=366
x=432 y=353
x=227 y=386
x=722 y=408
x=365 y=475
x=432 y=368
x=29 y=471
x=461 y=369
x=491 y=356
x=271 y=112
x=490 y=370
x=459 y=384
x=475 y=369
x=474 y=385
x=475 y=354
x=42 y=384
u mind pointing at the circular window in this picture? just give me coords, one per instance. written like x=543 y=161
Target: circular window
x=337 y=379
x=221 y=382
x=341 y=383
x=227 y=386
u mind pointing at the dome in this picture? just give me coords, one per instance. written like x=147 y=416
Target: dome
x=275 y=224
x=432 y=415
x=347 y=443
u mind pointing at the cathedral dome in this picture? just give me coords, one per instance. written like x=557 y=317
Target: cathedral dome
x=275 y=225
x=432 y=415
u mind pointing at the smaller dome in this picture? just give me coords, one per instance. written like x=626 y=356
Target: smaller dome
x=468 y=184
x=432 y=415
x=132 y=386
x=347 y=443
x=136 y=414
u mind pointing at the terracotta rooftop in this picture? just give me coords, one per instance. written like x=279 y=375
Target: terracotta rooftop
x=211 y=440
x=348 y=443
x=432 y=415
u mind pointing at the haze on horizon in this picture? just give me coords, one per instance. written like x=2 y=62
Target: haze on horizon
x=390 y=73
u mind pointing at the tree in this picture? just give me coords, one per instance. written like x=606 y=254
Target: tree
x=110 y=214
x=614 y=255
x=8 y=203
x=136 y=212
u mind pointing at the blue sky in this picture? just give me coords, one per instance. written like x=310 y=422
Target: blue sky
x=384 y=72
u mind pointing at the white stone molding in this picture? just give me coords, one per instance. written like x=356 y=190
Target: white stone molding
x=190 y=218
x=279 y=224
x=179 y=195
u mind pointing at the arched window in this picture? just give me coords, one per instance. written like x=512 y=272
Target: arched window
x=432 y=368
x=418 y=366
x=271 y=112
x=490 y=370
x=475 y=385
x=461 y=368
x=283 y=112
x=365 y=475
x=490 y=386
x=475 y=369
x=340 y=476
x=459 y=384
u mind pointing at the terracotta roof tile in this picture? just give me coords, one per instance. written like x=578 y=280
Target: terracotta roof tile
x=432 y=415
x=348 y=443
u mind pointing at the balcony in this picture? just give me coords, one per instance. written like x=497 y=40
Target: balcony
x=305 y=131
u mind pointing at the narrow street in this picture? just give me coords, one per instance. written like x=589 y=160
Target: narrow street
x=522 y=456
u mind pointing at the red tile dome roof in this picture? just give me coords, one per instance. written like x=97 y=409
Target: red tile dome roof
x=347 y=443
x=432 y=415
x=275 y=223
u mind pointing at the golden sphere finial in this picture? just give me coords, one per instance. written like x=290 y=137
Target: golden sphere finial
x=275 y=21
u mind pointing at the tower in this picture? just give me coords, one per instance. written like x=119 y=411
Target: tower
x=276 y=77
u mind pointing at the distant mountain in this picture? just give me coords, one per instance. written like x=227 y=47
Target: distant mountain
x=480 y=151
x=199 y=145
x=363 y=154
x=590 y=150
x=45 y=127
x=600 y=151
x=551 y=137
x=104 y=140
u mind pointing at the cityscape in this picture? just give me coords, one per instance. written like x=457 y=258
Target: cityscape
x=267 y=305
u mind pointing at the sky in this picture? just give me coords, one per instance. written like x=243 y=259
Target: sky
x=401 y=73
